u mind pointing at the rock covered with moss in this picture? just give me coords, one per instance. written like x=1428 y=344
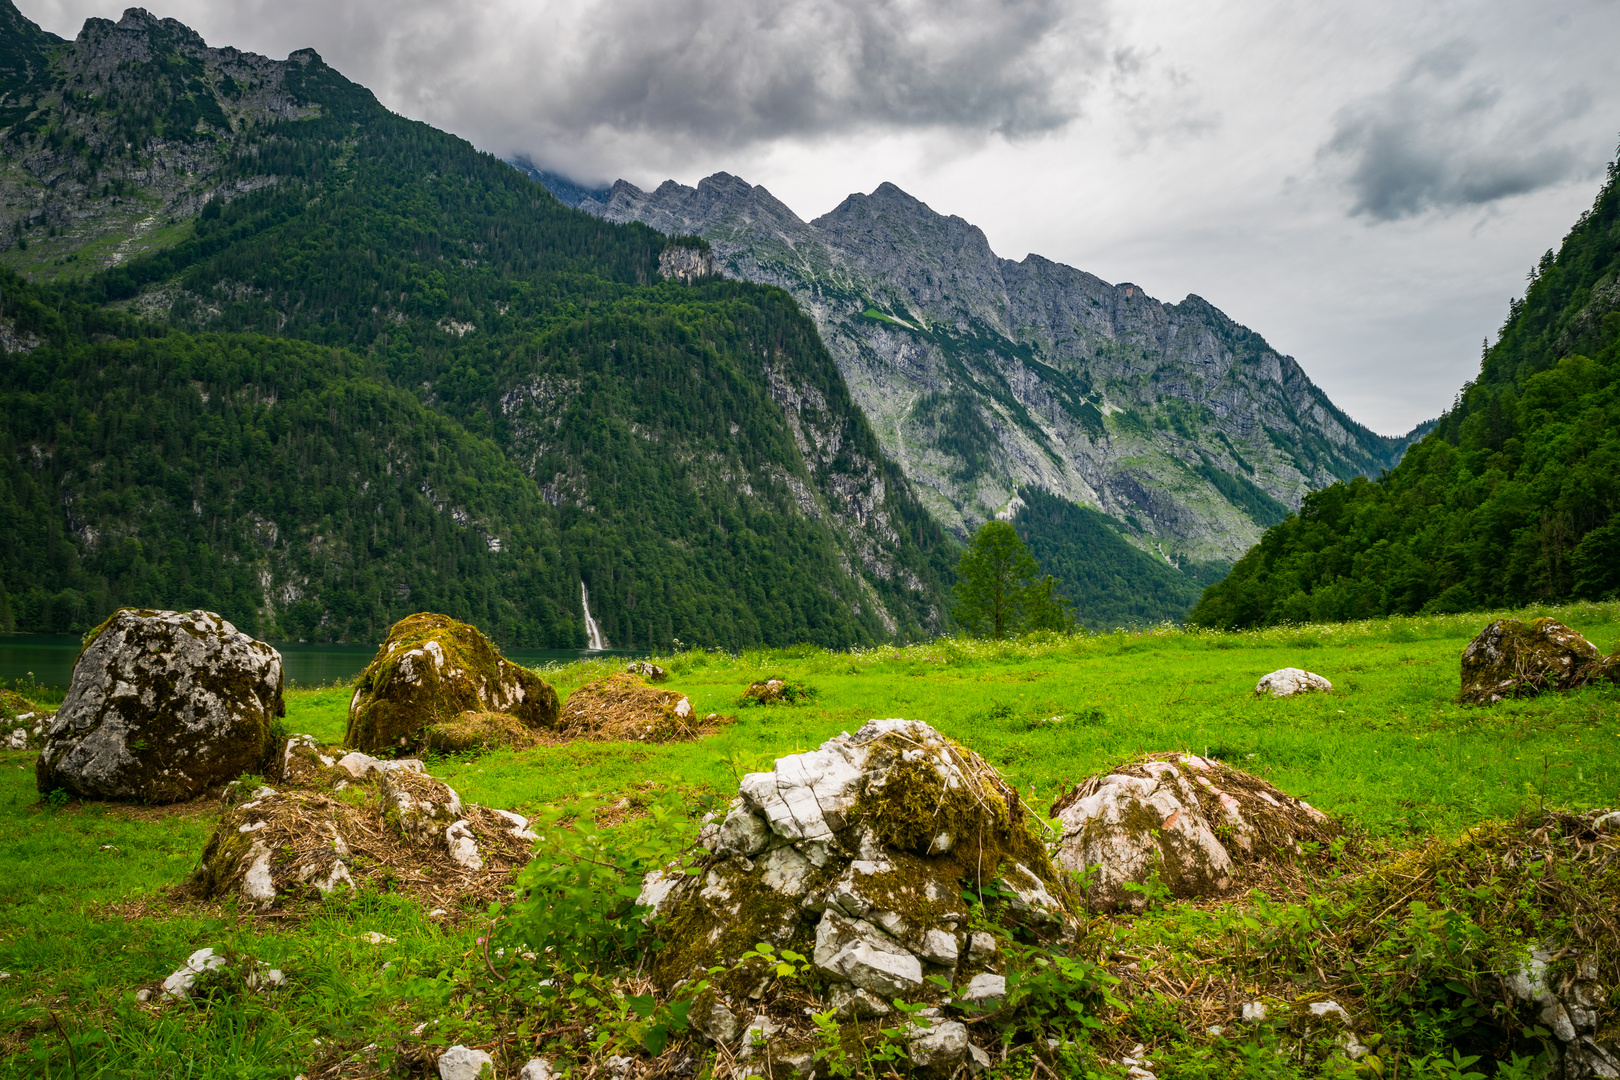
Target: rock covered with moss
x=162 y=706
x=1192 y=821
x=1512 y=659
x=856 y=856
x=431 y=671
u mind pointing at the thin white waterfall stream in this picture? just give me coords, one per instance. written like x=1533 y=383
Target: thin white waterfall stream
x=593 y=633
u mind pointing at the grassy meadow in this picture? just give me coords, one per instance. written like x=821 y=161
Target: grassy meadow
x=85 y=918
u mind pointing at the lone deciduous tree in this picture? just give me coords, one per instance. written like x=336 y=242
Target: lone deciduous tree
x=1000 y=589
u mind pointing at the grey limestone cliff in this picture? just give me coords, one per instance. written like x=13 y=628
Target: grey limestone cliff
x=982 y=374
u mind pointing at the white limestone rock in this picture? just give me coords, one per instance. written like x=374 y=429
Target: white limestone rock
x=983 y=989
x=421 y=807
x=180 y=983
x=462 y=1063
x=1160 y=815
x=858 y=952
x=162 y=706
x=940 y=1048
x=1285 y=682
x=536 y=1069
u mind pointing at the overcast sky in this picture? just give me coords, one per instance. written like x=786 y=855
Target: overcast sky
x=1365 y=182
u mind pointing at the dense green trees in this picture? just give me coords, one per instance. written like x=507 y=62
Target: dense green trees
x=1110 y=582
x=1511 y=499
x=1000 y=590
x=396 y=374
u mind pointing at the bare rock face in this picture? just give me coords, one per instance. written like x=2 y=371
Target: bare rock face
x=1289 y=681
x=162 y=706
x=1166 y=814
x=431 y=671
x=1513 y=659
x=855 y=855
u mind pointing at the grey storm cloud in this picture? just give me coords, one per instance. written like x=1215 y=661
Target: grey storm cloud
x=1443 y=138
x=737 y=71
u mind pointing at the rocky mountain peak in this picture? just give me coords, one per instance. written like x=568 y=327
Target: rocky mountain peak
x=983 y=375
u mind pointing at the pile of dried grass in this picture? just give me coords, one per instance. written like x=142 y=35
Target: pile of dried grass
x=622 y=707
x=480 y=731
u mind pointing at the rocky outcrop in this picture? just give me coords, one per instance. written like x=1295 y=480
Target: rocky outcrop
x=161 y=707
x=60 y=192
x=980 y=374
x=357 y=819
x=856 y=856
x=1288 y=681
x=1510 y=659
x=687 y=264
x=1191 y=822
x=431 y=671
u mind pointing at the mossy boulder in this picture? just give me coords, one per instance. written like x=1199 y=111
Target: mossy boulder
x=855 y=855
x=1192 y=822
x=432 y=670
x=163 y=706
x=1512 y=659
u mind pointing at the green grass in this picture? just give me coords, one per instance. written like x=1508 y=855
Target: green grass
x=1388 y=750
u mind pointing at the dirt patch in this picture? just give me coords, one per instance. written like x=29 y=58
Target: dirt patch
x=623 y=708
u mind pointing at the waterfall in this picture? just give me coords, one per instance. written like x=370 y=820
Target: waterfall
x=593 y=633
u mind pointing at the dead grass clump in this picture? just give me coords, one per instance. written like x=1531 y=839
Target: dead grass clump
x=624 y=708
x=1550 y=878
x=480 y=731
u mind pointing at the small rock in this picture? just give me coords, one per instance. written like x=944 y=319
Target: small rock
x=1254 y=1012
x=743 y=832
x=463 y=848
x=983 y=989
x=977 y=1058
x=17 y=740
x=619 y=1064
x=462 y=1063
x=264 y=978
x=178 y=985
x=536 y=1069
x=981 y=947
x=1288 y=681
x=940 y=1048
x=1136 y=1072
x=377 y=939
x=649 y=671
x=853 y=1003
x=860 y=953
x=938 y=946
x=715 y=1019
x=1329 y=1008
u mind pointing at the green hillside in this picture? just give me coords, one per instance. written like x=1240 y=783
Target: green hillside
x=354 y=368
x=1110 y=583
x=1510 y=500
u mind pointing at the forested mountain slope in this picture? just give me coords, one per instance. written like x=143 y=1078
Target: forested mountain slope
x=1510 y=500
x=983 y=376
x=295 y=358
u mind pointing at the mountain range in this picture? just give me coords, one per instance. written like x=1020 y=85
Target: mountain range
x=984 y=377
x=275 y=351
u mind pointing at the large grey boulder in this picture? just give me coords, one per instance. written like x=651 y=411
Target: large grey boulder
x=1192 y=821
x=163 y=706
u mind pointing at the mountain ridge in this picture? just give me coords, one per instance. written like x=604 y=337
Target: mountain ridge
x=688 y=453
x=1171 y=418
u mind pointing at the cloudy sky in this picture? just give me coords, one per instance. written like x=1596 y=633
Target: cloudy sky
x=1365 y=182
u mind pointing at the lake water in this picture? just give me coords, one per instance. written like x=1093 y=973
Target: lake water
x=49 y=657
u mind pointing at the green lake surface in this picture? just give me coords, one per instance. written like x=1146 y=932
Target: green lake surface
x=48 y=659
